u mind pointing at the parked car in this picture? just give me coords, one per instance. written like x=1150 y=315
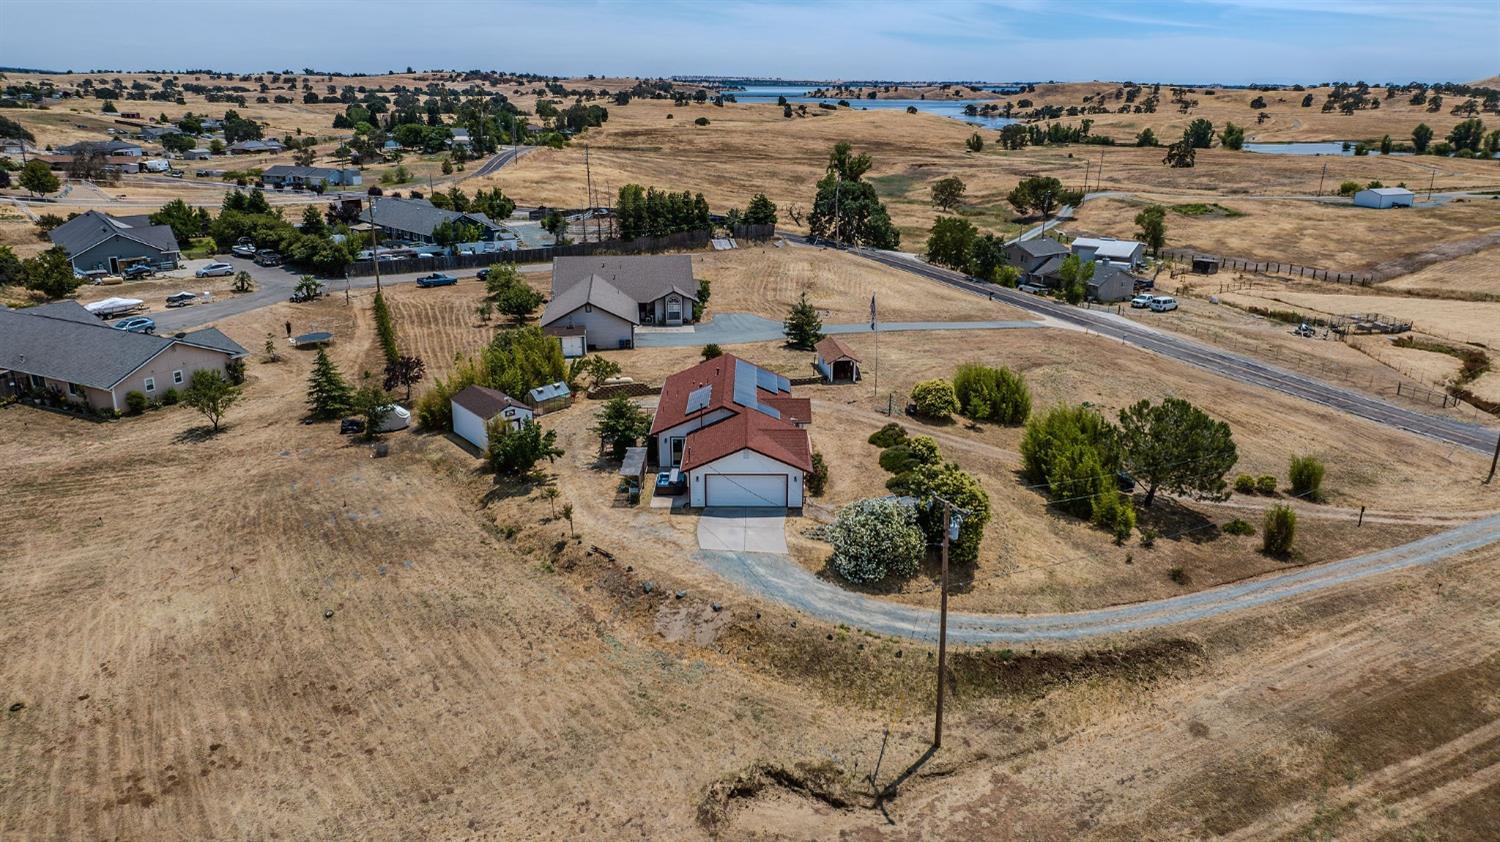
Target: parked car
x=436 y=279
x=137 y=324
x=139 y=270
x=266 y=257
x=181 y=299
x=215 y=270
x=483 y=274
x=1032 y=288
x=1140 y=302
x=1124 y=481
x=243 y=250
x=1163 y=303
x=351 y=426
x=175 y=173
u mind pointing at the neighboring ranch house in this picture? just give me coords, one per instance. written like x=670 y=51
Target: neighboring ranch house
x=62 y=347
x=1125 y=253
x=835 y=361
x=97 y=241
x=415 y=219
x=286 y=175
x=736 y=433
x=1110 y=283
x=256 y=147
x=1037 y=258
x=607 y=297
x=1384 y=197
x=108 y=147
x=476 y=406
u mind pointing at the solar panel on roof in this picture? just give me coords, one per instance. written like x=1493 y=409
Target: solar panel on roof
x=746 y=378
x=698 y=398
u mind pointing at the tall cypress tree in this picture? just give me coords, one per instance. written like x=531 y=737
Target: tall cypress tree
x=328 y=394
x=803 y=328
x=386 y=327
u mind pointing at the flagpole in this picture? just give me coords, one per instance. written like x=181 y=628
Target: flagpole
x=874 y=318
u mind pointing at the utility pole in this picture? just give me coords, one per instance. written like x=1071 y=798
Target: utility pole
x=1321 y=177
x=1430 y=182
x=375 y=243
x=1086 y=164
x=1494 y=461
x=588 y=175
x=937 y=730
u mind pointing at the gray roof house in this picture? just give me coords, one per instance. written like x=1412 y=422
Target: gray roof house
x=253 y=147
x=108 y=147
x=1110 y=283
x=609 y=296
x=96 y=241
x=158 y=132
x=1035 y=256
x=288 y=175
x=414 y=219
x=62 y=348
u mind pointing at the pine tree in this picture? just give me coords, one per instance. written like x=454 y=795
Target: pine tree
x=802 y=326
x=328 y=394
x=387 y=330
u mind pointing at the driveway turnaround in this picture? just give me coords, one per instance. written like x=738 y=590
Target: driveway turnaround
x=734 y=328
x=777 y=578
x=743 y=531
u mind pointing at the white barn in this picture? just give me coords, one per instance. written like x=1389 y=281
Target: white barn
x=476 y=406
x=1384 y=197
x=1124 y=253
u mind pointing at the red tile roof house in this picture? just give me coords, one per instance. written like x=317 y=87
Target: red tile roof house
x=736 y=433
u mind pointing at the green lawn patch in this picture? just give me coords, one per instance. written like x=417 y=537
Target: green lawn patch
x=1206 y=209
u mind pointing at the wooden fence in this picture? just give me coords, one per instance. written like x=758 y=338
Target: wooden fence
x=1275 y=267
x=681 y=241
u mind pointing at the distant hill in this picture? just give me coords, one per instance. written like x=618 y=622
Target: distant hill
x=1492 y=82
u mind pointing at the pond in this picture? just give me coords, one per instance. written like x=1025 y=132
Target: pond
x=1323 y=147
x=951 y=108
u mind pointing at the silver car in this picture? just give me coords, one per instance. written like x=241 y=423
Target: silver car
x=214 y=270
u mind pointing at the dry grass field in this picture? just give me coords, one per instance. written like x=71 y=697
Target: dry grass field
x=1476 y=274
x=1462 y=321
x=269 y=634
x=1337 y=237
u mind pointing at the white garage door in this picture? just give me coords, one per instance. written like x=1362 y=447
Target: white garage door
x=752 y=490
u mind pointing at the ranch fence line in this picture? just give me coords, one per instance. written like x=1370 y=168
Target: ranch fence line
x=1275 y=267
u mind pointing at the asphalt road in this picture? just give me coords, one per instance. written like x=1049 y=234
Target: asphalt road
x=1234 y=366
x=498 y=160
x=777 y=578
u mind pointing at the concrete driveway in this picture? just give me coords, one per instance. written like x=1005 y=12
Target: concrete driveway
x=739 y=530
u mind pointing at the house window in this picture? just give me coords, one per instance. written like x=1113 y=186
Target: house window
x=588 y=308
x=150 y=384
x=38 y=382
x=177 y=377
x=75 y=390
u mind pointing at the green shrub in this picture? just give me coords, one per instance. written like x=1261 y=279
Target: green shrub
x=712 y=350
x=896 y=460
x=991 y=394
x=1178 y=575
x=1148 y=537
x=1266 y=484
x=1306 y=474
x=1239 y=526
x=817 y=479
x=1279 y=530
x=1116 y=513
x=1060 y=428
x=135 y=402
x=890 y=435
x=934 y=398
x=1244 y=484
x=170 y=397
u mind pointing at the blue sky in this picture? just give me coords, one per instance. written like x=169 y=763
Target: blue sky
x=1232 y=41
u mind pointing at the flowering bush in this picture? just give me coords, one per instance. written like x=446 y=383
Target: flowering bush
x=876 y=538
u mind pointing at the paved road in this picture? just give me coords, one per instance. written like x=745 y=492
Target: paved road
x=779 y=579
x=275 y=285
x=498 y=160
x=733 y=328
x=1234 y=366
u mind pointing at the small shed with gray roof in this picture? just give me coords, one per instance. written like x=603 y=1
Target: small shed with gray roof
x=476 y=406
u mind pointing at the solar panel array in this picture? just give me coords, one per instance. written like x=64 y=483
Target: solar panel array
x=699 y=398
x=748 y=377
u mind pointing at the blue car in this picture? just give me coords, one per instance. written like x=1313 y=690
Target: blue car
x=139 y=324
x=436 y=279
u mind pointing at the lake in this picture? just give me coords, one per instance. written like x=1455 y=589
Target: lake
x=953 y=108
x=1327 y=147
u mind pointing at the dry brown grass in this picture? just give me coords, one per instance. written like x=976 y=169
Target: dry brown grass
x=1473 y=274
x=1336 y=237
x=1463 y=321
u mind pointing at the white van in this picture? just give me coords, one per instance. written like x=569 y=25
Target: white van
x=1163 y=303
